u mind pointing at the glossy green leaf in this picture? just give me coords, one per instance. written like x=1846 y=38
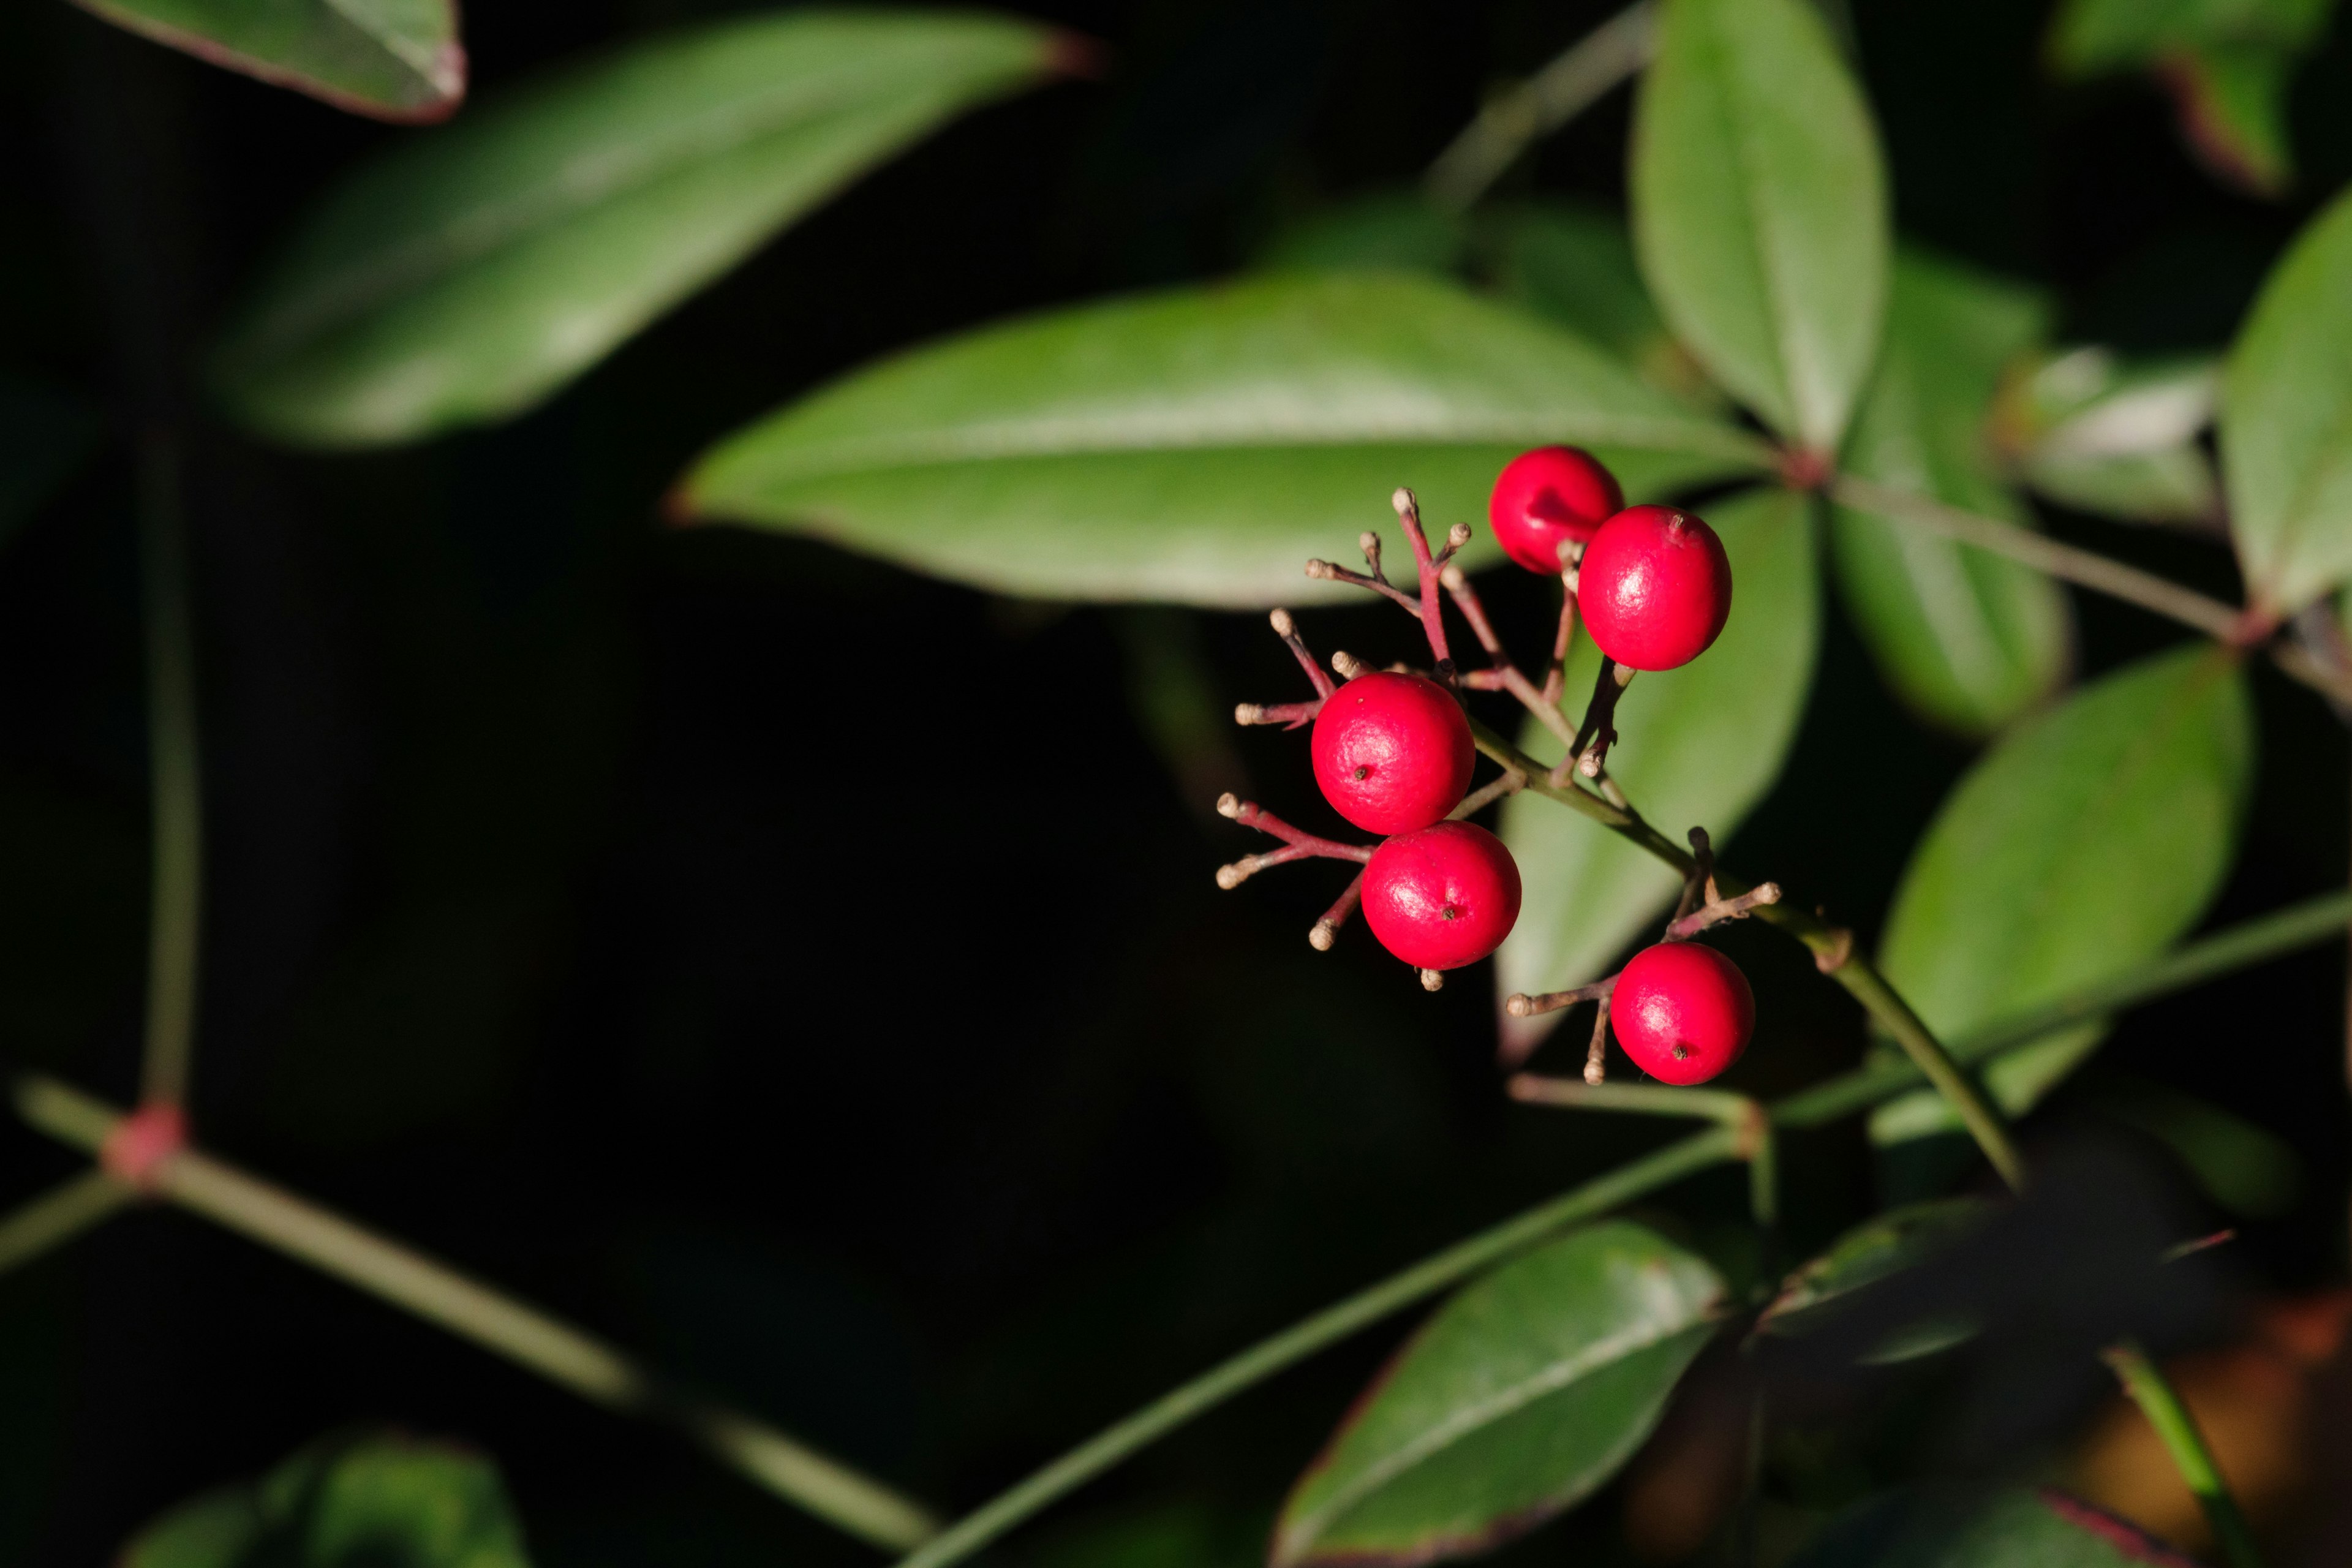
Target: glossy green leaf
x=390 y=59
x=1521 y=1395
x=1696 y=746
x=1760 y=209
x=1874 y=1250
x=1575 y=265
x=1198 y=445
x=2103 y=434
x=370 y=1501
x=2013 y=1527
x=2089 y=839
x=45 y=436
x=1968 y=640
x=470 y=273
x=1396 y=231
x=2088 y=37
x=2286 y=421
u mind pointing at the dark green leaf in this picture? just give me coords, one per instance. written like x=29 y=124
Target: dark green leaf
x=2286 y=421
x=370 y=1501
x=2089 y=839
x=2014 y=1526
x=470 y=273
x=2246 y=1169
x=1195 y=446
x=1522 y=1395
x=1968 y=640
x=1872 y=1251
x=1760 y=208
x=391 y=59
x=45 y=436
x=2089 y=36
x=1575 y=265
x=1398 y=231
x=1696 y=746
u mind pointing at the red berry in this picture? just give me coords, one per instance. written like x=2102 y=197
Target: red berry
x=1683 y=1012
x=1444 y=897
x=1548 y=498
x=1393 y=752
x=1655 y=587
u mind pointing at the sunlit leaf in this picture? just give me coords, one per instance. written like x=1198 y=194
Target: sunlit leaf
x=390 y=59
x=2013 y=1527
x=1522 y=1395
x=370 y=1501
x=1968 y=640
x=2089 y=839
x=1696 y=746
x=470 y=273
x=1760 y=208
x=2102 y=435
x=2286 y=421
x=1198 y=445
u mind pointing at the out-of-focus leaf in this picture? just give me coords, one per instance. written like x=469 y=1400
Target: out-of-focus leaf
x=379 y=1500
x=2094 y=433
x=1196 y=446
x=45 y=436
x=2286 y=421
x=2089 y=839
x=1872 y=1251
x=1397 y=231
x=1521 y=1395
x=2248 y=1170
x=1696 y=746
x=388 y=60
x=469 y=274
x=2015 y=1527
x=1968 y=640
x=1575 y=265
x=1760 y=208
x=2227 y=64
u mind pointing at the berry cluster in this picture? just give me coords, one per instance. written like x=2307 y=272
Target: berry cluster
x=1393 y=751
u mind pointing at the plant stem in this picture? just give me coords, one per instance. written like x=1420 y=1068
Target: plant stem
x=1833 y=950
x=59 y=1214
x=1571 y=83
x=564 y=1356
x=1326 y=1328
x=175 y=778
x=1842 y=1095
x=2177 y=1430
x=1722 y=1106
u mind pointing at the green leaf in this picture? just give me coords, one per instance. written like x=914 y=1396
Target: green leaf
x=1575 y=265
x=470 y=273
x=390 y=59
x=2231 y=99
x=2286 y=421
x=1521 y=1395
x=45 y=436
x=2089 y=839
x=2090 y=37
x=1877 y=1250
x=2101 y=435
x=1760 y=208
x=1396 y=231
x=376 y=1501
x=2013 y=1527
x=1696 y=746
x=1195 y=446
x=2246 y=1169
x=1968 y=640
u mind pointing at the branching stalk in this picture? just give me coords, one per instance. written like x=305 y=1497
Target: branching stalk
x=176 y=780
x=59 y=1214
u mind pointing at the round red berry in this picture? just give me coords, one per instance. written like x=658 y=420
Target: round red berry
x=1548 y=498
x=1393 y=752
x=1683 y=1012
x=1654 y=588
x=1444 y=897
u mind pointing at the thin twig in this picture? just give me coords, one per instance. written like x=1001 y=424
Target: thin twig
x=175 y=778
x=1433 y=619
x=1572 y=82
x=1331 y=572
x=1722 y=910
x=1510 y=781
x=1596 y=1051
x=491 y=1319
x=1555 y=684
x=1289 y=715
x=1473 y=610
x=1848 y=1093
x=1249 y=814
x=1519 y=1004
x=1325 y=931
x=2176 y=1428
x=59 y=1214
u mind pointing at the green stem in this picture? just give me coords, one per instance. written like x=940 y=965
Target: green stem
x=1571 y=83
x=432 y=1291
x=176 y=780
x=59 y=1214
x=2177 y=1430
x=1833 y=950
x=1849 y=1092
x=1334 y=1323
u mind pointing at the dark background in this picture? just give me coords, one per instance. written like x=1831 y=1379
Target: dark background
x=810 y=975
